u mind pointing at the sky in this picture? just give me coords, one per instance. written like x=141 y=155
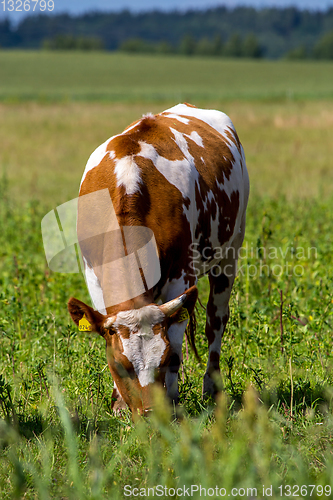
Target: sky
x=139 y=5
x=81 y=6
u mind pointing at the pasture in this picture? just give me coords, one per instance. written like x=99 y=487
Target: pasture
x=55 y=76
x=273 y=426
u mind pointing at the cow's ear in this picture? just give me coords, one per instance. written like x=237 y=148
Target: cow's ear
x=81 y=311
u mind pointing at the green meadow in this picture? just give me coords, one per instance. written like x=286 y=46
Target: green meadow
x=270 y=434
x=67 y=76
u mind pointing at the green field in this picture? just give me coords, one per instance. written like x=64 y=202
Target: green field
x=49 y=76
x=273 y=427
x=44 y=149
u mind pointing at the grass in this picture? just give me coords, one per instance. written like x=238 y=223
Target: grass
x=273 y=425
x=45 y=147
x=49 y=76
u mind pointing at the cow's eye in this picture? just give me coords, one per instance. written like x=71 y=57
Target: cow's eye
x=111 y=330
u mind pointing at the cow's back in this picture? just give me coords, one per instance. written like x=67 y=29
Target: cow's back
x=182 y=174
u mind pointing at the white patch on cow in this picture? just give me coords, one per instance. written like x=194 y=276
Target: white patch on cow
x=112 y=155
x=178 y=172
x=94 y=287
x=143 y=348
x=181 y=142
x=216 y=119
x=95 y=158
x=176 y=117
x=148 y=115
x=128 y=174
x=193 y=174
x=196 y=138
x=145 y=317
x=145 y=354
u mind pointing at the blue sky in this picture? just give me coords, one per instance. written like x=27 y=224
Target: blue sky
x=139 y=5
x=80 y=6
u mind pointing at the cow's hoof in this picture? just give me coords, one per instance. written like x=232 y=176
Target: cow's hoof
x=212 y=386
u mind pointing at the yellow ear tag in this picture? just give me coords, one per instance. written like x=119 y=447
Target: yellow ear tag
x=183 y=315
x=84 y=325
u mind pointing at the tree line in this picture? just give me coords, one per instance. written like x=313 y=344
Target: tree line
x=235 y=46
x=237 y=32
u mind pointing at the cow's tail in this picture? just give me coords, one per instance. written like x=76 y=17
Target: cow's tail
x=191 y=330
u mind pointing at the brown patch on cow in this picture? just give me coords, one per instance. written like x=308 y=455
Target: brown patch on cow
x=124 y=145
x=221 y=283
x=117 y=361
x=152 y=130
x=228 y=216
x=233 y=136
x=117 y=402
x=213 y=209
x=113 y=342
x=124 y=331
x=203 y=224
x=157 y=328
x=213 y=321
x=126 y=384
x=164 y=216
x=214 y=362
x=210 y=334
x=164 y=363
x=189 y=105
x=225 y=319
x=174 y=363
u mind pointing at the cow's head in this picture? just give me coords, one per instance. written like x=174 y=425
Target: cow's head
x=137 y=344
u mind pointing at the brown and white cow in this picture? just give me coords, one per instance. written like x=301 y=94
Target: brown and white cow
x=182 y=174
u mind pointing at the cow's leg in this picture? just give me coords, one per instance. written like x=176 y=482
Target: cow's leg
x=117 y=401
x=176 y=335
x=221 y=279
x=217 y=315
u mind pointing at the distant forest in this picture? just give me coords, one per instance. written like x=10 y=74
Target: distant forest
x=243 y=32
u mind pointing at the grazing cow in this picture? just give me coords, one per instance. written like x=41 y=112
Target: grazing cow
x=182 y=175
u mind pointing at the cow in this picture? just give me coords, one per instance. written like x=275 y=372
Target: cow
x=181 y=174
